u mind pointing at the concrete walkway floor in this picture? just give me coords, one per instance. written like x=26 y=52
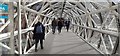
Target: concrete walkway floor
x=64 y=43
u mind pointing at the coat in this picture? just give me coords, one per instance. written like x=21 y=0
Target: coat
x=39 y=36
x=67 y=23
x=54 y=23
x=60 y=23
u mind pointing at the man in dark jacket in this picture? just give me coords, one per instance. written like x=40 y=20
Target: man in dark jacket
x=67 y=23
x=54 y=24
x=39 y=34
x=60 y=25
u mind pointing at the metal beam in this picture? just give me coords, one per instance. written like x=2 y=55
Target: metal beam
x=5 y=46
x=63 y=8
x=31 y=10
x=7 y=35
x=11 y=27
x=33 y=3
x=19 y=27
x=6 y=24
x=100 y=10
x=115 y=34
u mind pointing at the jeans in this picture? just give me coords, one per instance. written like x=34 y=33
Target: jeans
x=53 y=29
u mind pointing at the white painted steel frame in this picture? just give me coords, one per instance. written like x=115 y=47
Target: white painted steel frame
x=19 y=27
x=101 y=37
x=78 y=17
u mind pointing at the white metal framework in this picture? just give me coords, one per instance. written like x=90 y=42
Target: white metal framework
x=94 y=22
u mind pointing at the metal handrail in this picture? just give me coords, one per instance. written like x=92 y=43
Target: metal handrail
x=101 y=31
x=7 y=35
x=115 y=34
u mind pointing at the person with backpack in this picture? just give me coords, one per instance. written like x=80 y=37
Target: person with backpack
x=39 y=34
x=54 y=24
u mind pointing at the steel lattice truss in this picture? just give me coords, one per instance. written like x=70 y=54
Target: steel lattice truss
x=94 y=22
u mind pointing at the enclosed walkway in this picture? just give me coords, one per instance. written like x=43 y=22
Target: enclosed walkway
x=65 y=43
x=94 y=26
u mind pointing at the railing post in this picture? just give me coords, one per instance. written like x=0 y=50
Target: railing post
x=11 y=27
x=117 y=44
x=119 y=28
x=19 y=27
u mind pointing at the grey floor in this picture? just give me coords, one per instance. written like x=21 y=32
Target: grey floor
x=64 y=43
x=0 y=50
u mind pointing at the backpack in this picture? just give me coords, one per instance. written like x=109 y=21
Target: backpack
x=39 y=29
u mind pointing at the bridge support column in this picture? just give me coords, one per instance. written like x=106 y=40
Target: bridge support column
x=11 y=27
x=19 y=27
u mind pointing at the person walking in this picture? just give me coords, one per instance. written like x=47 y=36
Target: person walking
x=39 y=34
x=54 y=24
x=67 y=23
x=60 y=25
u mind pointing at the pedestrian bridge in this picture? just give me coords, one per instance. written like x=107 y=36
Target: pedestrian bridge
x=94 y=27
x=65 y=43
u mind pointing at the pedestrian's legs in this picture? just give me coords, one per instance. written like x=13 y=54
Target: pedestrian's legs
x=41 y=43
x=36 y=43
x=67 y=28
x=53 y=29
x=59 y=29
